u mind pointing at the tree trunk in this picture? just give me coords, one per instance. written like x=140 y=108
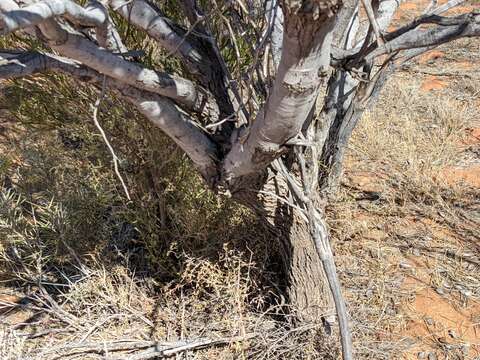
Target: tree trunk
x=305 y=284
x=307 y=287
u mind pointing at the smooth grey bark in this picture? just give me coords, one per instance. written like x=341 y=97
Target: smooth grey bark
x=181 y=90
x=348 y=22
x=8 y=5
x=201 y=150
x=301 y=75
x=81 y=49
x=143 y=15
x=384 y=14
x=274 y=16
x=16 y=19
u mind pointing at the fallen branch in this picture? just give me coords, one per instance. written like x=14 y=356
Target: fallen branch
x=141 y=350
x=462 y=74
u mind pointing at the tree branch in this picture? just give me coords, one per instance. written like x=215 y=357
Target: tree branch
x=348 y=97
x=221 y=76
x=8 y=5
x=340 y=115
x=367 y=5
x=385 y=13
x=275 y=20
x=81 y=49
x=198 y=57
x=448 y=29
x=184 y=132
x=92 y=15
x=347 y=25
x=141 y=14
x=160 y=111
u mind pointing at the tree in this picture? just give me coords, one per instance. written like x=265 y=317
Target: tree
x=268 y=97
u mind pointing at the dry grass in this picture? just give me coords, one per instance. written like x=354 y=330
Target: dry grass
x=405 y=229
x=80 y=264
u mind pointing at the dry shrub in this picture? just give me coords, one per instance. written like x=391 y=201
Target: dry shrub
x=175 y=263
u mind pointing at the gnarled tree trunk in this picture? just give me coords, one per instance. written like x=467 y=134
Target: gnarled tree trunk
x=305 y=284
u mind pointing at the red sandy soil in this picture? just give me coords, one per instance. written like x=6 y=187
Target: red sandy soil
x=433 y=83
x=436 y=319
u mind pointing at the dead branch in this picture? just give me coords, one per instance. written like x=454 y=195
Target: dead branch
x=142 y=350
x=448 y=29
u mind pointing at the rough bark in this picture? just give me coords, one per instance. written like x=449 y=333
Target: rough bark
x=305 y=283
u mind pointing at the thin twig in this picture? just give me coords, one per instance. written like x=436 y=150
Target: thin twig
x=373 y=22
x=95 y=107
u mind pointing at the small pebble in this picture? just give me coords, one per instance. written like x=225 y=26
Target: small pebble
x=416 y=252
x=391 y=311
x=466 y=293
x=440 y=291
x=442 y=340
x=432 y=356
x=429 y=321
x=452 y=334
x=422 y=355
x=404 y=265
x=466 y=348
